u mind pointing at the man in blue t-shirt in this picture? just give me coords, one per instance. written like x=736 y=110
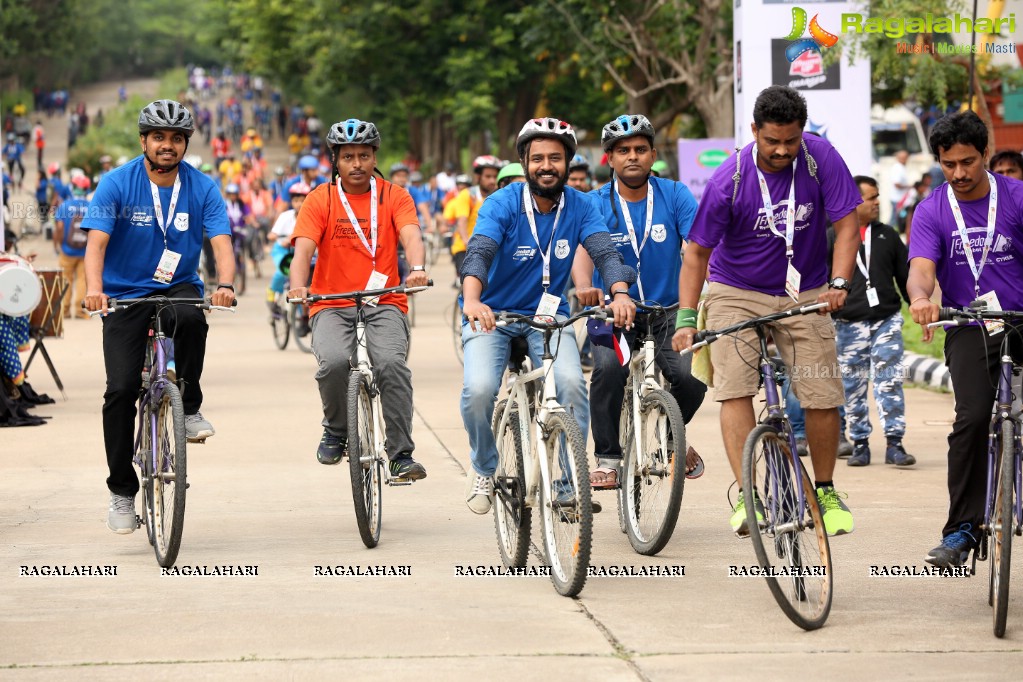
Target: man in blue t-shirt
x=12 y=153
x=519 y=260
x=69 y=241
x=146 y=224
x=650 y=239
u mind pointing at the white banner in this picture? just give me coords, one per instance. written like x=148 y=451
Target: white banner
x=767 y=34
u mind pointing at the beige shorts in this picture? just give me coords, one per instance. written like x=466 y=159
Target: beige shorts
x=806 y=344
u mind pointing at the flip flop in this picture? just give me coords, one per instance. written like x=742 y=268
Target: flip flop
x=608 y=478
x=698 y=470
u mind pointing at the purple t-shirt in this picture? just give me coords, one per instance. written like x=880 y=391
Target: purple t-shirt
x=746 y=253
x=936 y=238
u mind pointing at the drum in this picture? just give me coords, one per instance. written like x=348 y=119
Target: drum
x=20 y=290
x=53 y=283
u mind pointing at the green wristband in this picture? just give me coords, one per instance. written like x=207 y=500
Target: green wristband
x=686 y=318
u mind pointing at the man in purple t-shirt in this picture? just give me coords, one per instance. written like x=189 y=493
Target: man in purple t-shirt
x=967 y=234
x=764 y=258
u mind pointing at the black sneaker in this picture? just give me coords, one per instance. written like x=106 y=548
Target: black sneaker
x=405 y=467
x=845 y=448
x=954 y=549
x=897 y=455
x=332 y=448
x=860 y=456
x=802 y=447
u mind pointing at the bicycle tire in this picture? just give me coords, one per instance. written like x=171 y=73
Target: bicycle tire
x=300 y=340
x=456 y=329
x=280 y=321
x=170 y=480
x=1001 y=527
x=513 y=520
x=804 y=598
x=569 y=556
x=625 y=437
x=653 y=485
x=239 y=277
x=363 y=462
x=144 y=458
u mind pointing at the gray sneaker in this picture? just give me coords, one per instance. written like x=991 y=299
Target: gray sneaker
x=121 y=516
x=197 y=428
x=480 y=496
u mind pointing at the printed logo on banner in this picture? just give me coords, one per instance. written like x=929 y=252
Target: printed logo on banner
x=806 y=72
x=818 y=40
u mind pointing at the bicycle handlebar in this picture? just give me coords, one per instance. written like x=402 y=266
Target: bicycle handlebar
x=648 y=307
x=503 y=319
x=115 y=304
x=976 y=312
x=709 y=336
x=369 y=293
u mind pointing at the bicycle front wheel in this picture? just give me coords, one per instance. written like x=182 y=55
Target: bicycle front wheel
x=791 y=543
x=566 y=511
x=512 y=518
x=625 y=439
x=168 y=479
x=299 y=320
x=363 y=461
x=1001 y=527
x=144 y=460
x=279 y=321
x=456 y=330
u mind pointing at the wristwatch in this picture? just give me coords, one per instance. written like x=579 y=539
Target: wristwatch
x=839 y=283
x=226 y=286
x=418 y=268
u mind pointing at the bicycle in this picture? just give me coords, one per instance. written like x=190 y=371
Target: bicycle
x=652 y=484
x=281 y=315
x=160 y=442
x=297 y=316
x=542 y=464
x=791 y=543
x=456 y=327
x=1003 y=510
x=367 y=458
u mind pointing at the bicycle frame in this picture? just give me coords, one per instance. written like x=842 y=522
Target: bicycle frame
x=1007 y=406
x=154 y=385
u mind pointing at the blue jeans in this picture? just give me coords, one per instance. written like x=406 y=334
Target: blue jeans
x=486 y=357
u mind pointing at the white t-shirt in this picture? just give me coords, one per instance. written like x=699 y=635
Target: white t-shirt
x=898 y=177
x=284 y=226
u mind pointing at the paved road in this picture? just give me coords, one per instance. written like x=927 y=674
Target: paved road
x=258 y=498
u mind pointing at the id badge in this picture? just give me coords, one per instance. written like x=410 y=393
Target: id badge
x=377 y=280
x=792 y=279
x=872 y=299
x=993 y=326
x=548 y=307
x=168 y=264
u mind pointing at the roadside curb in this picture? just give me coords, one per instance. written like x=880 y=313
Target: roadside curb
x=922 y=369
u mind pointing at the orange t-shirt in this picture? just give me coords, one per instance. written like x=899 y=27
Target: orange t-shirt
x=344 y=263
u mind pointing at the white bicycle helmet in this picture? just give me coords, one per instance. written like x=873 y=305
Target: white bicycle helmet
x=550 y=128
x=353 y=131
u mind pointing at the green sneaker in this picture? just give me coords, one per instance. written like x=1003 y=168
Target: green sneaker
x=838 y=519
x=738 y=520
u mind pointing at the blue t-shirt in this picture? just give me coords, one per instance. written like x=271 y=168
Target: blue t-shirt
x=72 y=213
x=674 y=210
x=13 y=151
x=123 y=208
x=516 y=275
x=60 y=189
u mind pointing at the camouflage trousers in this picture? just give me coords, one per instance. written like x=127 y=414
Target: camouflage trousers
x=872 y=352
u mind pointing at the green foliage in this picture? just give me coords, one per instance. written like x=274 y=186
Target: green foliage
x=118 y=136
x=912 y=338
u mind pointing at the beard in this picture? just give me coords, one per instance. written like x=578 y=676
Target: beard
x=550 y=193
x=161 y=167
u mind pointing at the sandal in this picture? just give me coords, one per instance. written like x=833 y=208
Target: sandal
x=605 y=476
x=698 y=467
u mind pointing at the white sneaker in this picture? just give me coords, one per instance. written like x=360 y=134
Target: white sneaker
x=480 y=496
x=121 y=516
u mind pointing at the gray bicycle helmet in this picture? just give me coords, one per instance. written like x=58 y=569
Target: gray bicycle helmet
x=550 y=128
x=626 y=125
x=398 y=168
x=353 y=131
x=166 y=114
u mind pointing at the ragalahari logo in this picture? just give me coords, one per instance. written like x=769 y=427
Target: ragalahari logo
x=812 y=46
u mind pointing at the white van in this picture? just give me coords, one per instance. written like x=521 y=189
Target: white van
x=891 y=130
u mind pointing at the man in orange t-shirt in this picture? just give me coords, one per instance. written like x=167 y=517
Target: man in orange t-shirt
x=356 y=223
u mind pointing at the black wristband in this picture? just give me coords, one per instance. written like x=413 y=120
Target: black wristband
x=620 y=291
x=226 y=286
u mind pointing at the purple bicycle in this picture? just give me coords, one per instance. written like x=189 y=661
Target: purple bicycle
x=791 y=543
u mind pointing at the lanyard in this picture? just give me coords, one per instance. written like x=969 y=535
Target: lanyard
x=158 y=205
x=865 y=268
x=632 y=230
x=992 y=210
x=790 y=214
x=527 y=202
x=371 y=246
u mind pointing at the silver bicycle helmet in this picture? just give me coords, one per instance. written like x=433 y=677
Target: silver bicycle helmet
x=550 y=128
x=353 y=131
x=626 y=125
x=166 y=114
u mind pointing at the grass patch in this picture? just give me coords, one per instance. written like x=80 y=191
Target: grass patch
x=912 y=337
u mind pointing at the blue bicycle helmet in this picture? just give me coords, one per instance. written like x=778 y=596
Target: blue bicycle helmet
x=353 y=131
x=626 y=125
x=308 y=162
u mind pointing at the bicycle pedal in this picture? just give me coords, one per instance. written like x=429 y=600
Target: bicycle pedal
x=200 y=441
x=400 y=481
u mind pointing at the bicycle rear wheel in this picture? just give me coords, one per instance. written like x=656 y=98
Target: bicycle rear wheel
x=566 y=511
x=363 y=461
x=279 y=321
x=513 y=520
x=299 y=321
x=169 y=479
x=652 y=481
x=144 y=460
x=456 y=329
x=791 y=545
x=1001 y=527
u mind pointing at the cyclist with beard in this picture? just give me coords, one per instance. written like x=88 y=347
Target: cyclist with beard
x=519 y=260
x=146 y=224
